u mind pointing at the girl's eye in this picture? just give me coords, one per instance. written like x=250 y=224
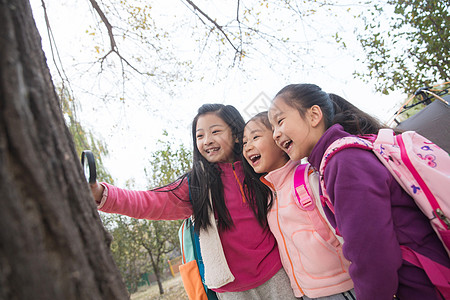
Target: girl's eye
x=216 y=131
x=199 y=136
x=244 y=143
x=279 y=121
x=255 y=137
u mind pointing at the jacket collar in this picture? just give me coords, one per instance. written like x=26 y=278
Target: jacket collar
x=227 y=168
x=333 y=133
x=279 y=177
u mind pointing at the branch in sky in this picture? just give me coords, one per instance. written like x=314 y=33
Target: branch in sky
x=111 y=37
x=107 y=24
x=216 y=25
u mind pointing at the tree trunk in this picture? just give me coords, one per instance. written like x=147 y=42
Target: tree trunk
x=156 y=270
x=52 y=243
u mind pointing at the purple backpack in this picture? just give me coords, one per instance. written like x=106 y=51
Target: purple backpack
x=423 y=171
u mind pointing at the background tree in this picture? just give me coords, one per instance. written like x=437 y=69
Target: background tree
x=142 y=246
x=129 y=255
x=52 y=243
x=167 y=164
x=406 y=44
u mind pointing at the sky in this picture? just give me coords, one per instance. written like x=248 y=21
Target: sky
x=132 y=127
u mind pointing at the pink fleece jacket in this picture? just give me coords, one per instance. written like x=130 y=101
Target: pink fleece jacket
x=315 y=264
x=251 y=251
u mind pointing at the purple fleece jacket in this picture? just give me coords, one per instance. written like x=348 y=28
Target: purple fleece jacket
x=375 y=216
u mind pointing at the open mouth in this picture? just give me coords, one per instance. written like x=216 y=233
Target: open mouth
x=285 y=145
x=255 y=158
x=212 y=150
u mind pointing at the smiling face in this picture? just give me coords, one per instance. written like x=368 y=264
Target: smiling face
x=260 y=150
x=215 y=141
x=295 y=134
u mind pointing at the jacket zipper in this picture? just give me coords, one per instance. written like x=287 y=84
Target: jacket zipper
x=285 y=246
x=239 y=183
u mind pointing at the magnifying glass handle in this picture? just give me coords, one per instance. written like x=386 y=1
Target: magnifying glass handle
x=88 y=162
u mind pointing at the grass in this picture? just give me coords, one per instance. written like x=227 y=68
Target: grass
x=173 y=290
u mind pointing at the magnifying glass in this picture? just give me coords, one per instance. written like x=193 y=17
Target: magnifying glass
x=88 y=163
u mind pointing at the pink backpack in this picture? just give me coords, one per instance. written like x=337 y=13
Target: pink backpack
x=423 y=170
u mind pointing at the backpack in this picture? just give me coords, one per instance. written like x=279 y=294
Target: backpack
x=306 y=190
x=192 y=268
x=423 y=171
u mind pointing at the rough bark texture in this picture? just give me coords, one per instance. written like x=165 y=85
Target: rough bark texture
x=52 y=243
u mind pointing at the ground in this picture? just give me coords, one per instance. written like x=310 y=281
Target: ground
x=173 y=290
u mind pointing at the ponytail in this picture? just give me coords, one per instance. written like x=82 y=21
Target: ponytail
x=335 y=109
x=354 y=120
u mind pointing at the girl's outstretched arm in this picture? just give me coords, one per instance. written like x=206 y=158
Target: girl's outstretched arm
x=359 y=186
x=167 y=203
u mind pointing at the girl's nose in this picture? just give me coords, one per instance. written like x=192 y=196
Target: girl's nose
x=248 y=146
x=276 y=134
x=208 y=139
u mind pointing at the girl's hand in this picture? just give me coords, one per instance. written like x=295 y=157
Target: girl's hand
x=97 y=191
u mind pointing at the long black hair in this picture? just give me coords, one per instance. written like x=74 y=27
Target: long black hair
x=335 y=109
x=205 y=176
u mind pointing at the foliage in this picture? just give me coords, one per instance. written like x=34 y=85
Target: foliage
x=409 y=51
x=83 y=139
x=129 y=256
x=168 y=163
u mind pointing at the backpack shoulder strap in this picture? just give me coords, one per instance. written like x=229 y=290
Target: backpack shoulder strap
x=343 y=143
x=301 y=188
x=185 y=234
x=335 y=147
x=306 y=191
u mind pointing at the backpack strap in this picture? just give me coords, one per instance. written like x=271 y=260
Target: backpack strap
x=335 y=147
x=306 y=197
x=197 y=252
x=439 y=275
x=301 y=188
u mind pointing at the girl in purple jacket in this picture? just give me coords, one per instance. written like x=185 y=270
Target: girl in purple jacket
x=373 y=213
x=240 y=254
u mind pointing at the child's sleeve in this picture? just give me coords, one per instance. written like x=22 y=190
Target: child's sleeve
x=168 y=203
x=359 y=188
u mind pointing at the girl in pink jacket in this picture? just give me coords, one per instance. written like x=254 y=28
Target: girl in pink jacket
x=240 y=254
x=310 y=252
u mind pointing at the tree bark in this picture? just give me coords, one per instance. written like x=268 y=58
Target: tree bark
x=52 y=243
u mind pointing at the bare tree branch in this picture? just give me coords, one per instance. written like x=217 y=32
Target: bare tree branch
x=219 y=27
x=107 y=24
x=114 y=48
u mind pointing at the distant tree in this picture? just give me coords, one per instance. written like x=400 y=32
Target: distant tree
x=168 y=163
x=406 y=44
x=129 y=255
x=141 y=245
x=159 y=238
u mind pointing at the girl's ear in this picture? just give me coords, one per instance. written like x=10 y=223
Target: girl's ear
x=315 y=115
